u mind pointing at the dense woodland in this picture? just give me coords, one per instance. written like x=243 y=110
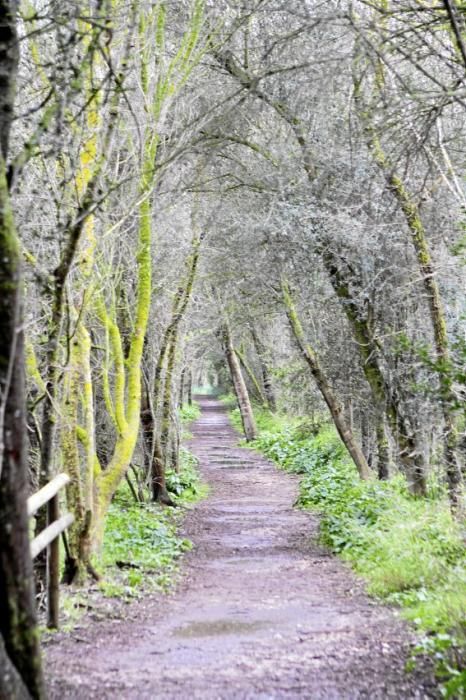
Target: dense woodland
x=266 y=195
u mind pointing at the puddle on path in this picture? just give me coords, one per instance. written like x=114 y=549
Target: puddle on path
x=215 y=628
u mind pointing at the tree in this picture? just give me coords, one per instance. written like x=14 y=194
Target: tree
x=20 y=664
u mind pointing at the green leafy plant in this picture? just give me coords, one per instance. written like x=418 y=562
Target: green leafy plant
x=189 y=413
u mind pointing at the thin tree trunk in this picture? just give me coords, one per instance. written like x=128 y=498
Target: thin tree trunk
x=383 y=454
x=181 y=391
x=242 y=396
x=254 y=384
x=265 y=372
x=366 y=439
x=190 y=387
x=334 y=406
x=167 y=400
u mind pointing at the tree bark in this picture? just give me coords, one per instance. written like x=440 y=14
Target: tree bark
x=267 y=383
x=190 y=387
x=242 y=396
x=334 y=405
x=420 y=242
x=17 y=610
x=385 y=400
x=383 y=455
x=11 y=683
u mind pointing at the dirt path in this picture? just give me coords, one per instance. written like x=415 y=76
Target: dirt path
x=262 y=611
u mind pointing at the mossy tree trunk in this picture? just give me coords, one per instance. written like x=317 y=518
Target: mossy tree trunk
x=128 y=389
x=322 y=383
x=20 y=645
x=426 y=267
x=157 y=442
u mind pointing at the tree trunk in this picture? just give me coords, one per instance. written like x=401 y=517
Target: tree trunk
x=158 y=477
x=265 y=372
x=383 y=455
x=334 y=406
x=190 y=388
x=242 y=396
x=17 y=610
x=181 y=391
x=367 y=438
x=385 y=398
x=11 y=683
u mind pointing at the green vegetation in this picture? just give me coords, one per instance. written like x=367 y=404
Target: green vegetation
x=141 y=546
x=189 y=413
x=184 y=485
x=410 y=551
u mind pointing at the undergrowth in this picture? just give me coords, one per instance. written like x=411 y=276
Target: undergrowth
x=410 y=551
x=142 y=544
x=189 y=413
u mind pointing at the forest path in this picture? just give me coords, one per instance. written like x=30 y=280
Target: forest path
x=262 y=611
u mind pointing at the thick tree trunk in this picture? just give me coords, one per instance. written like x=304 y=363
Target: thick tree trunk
x=11 y=683
x=17 y=606
x=242 y=396
x=17 y=610
x=158 y=477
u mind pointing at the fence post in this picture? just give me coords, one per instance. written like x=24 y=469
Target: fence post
x=53 y=568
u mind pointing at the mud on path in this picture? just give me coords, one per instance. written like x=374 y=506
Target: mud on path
x=262 y=610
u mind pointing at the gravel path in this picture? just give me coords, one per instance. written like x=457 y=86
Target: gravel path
x=261 y=612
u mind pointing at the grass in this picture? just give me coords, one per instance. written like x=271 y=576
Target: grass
x=410 y=551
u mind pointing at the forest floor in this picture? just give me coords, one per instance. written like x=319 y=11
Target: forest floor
x=261 y=611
